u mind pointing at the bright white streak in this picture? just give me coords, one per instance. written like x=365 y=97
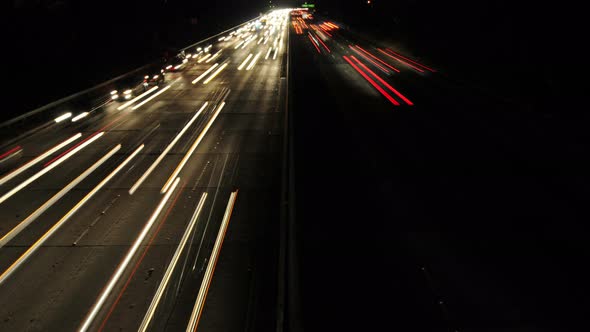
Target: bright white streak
x=164 y=283
x=23 y=224
x=123 y=265
x=204 y=58
x=48 y=168
x=163 y=154
x=253 y=63
x=79 y=116
x=215 y=73
x=204 y=74
x=245 y=61
x=124 y=106
x=192 y=149
x=150 y=98
x=62 y=117
x=65 y=218
x=38 y=159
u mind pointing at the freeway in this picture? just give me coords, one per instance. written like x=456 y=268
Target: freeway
x=421 y=200
x=112 y=217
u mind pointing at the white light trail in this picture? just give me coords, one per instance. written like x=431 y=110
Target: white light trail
x=163 y=154
x=38 y=159
x=124 y=106
x=79 y=116
x=245 y=62
x=65 y=218
x=204 y=74
x=253 y=63
x=23 y=224
x=62 y=117
x=48 y=168
x=275 y=54
x=204 y=58
x=202 y=295
x=192 y=149
x=164 y=283
x=215 y=73
x=150 y=98
x=239 y=44
x=268 y=53
x=123 y=265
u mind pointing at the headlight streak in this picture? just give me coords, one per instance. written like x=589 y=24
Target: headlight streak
x=49 y=168
x=204 y=58
x=79 y=116
x=65 y=218
x=245 y=62
x=46 y=154
x=204 y=74
x=166 y=278
x=124 y=106
x=203 y=290
x=219 y=70
x=123 y=265
x=165 y=152
x=150 y=98
x=62 y=117
x=253 y=63
x=191 y=149
x=33 y=216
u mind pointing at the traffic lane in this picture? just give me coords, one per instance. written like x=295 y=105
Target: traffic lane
x=346 y=195
x=239 y=143
x=462 y=172
x=70 y=235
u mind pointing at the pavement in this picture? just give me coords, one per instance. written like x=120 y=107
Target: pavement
x=239 y=135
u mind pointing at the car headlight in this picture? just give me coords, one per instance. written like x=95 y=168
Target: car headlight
x=114 y=97
x=127 y=96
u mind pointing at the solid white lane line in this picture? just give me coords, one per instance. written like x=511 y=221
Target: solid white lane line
x=245 y=61
x=123 y=265
x=163 y=154
x=150 y=98
x=164 y=283
x=204 y=74
x=202 y=295
x=46 y=154
x=49 y=168
x=253 y=63
x=192 y=149
x=124 y=106
x=65 y=218
x=23 y=224
x=215 y=73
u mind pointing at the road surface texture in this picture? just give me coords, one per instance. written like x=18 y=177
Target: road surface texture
x=99 y=270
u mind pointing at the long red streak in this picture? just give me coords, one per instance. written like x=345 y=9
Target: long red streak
x=9 y=152
x=376 y=58
x=383 y=82
x=400 y=60
x=369 y=59
x=320 y=39
x=138 y=263
x=380 y=89
x=412 y=61
x=316 y=46
x=325 y=31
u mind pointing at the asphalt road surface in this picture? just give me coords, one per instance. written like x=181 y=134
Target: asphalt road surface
x=232 y=143
x=425 y=203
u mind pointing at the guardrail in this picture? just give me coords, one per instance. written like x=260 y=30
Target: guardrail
x=91 y=96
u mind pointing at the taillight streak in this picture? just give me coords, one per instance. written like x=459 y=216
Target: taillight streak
x=373 y=83
x=406 y=100
x=385 y=70
x=376 y=58
x=410 y=60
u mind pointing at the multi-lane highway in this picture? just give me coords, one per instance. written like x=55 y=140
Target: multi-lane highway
x=130 y=216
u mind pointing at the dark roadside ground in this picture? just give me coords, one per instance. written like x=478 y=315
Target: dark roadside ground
x=466 y=213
